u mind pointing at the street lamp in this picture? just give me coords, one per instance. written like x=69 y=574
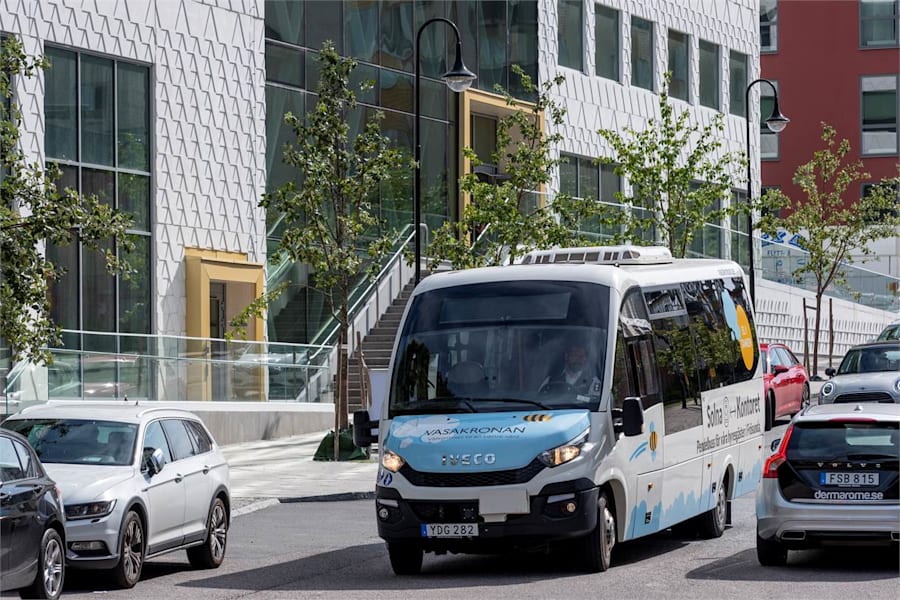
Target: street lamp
x=776 y=123
x=458 y=79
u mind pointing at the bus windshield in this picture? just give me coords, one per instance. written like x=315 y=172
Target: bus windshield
x=502 y=346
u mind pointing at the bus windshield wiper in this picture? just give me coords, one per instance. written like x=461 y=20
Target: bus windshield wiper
x=437 y=405
x=521 y=400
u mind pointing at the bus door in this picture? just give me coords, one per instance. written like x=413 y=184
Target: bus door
x=634 y=374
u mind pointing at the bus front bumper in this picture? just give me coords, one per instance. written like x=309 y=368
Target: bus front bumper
x=559 y=512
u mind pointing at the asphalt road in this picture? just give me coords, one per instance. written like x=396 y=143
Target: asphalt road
x=331 y=550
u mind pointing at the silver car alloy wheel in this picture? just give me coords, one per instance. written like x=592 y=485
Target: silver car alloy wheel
x=133 y=549
x=53 y=567
x=218 y=530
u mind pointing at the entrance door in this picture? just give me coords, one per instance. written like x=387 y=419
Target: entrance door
x=218 y=351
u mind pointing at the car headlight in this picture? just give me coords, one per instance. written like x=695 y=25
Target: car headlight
x=392 y=461
x=565 y=453
x=828 y=389
x=897 y=385
x=89 y=510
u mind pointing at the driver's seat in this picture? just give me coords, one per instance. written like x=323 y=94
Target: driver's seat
x=467 y=378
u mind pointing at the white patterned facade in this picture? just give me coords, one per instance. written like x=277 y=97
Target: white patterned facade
x=208 y=112
x=593 y=102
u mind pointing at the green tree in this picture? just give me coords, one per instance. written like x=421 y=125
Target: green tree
x=330 y=222
x=33 y=213
x=679 y=175
x=833 y=229
x=516 y=223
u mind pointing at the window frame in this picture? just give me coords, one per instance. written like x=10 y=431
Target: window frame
x=738 y=99
x=616 y=14
x=716 y=74
x=119 y=175
x=652 y=58
x=772 y=26
x=559 y=34
x=767 y=92
x=862 y=130
x=687 y=64
x=862 y=20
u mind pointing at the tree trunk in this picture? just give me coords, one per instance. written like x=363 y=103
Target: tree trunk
x=815 y=364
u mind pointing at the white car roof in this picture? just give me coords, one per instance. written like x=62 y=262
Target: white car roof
x=126 y=412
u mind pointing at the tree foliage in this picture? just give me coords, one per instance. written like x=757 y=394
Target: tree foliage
x=35 y=212
x=508 y=213
x=679 y=174
x=330 y=222
x=833 y=229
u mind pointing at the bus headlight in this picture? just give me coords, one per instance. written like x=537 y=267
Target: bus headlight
x=392 y=461
x=828 y=389
x=565 y=453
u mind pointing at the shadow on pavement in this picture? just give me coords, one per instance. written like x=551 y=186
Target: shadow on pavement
x=344 y=569
x=848 y=564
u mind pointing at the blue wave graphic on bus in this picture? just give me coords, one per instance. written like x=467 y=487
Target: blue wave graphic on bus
x=639 y=450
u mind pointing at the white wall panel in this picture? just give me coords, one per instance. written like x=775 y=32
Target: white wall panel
x=208 y=73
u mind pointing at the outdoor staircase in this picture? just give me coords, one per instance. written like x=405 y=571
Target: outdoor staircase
x=377 y=347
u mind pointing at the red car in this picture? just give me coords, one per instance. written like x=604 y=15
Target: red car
x=786 y=382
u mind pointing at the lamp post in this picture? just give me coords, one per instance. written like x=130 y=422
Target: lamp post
x=458 y=79
x=776 y=123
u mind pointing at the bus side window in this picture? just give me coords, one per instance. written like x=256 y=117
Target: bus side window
x=634 y=369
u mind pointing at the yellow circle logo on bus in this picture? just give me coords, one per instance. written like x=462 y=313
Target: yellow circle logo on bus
x=746 y=340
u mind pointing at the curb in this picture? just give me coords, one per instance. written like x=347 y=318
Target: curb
x=341 y=497
x=255 y=506
x=266 y=503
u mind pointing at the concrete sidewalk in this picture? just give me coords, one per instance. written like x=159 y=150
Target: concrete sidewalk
x=267 y=472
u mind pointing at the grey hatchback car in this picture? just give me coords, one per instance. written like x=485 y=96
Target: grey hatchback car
x=137 y=482
x=868 y=373
x=833 y=481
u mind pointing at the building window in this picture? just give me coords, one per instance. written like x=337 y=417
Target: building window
x=737 y=77
x=606 y=35
x=709 y=74
x=98 y=133
x=707 y=241
x=569 y=34
x=867 y=188
x=641 y=53
x=679 y=65
x=879 y=115
x=740 y=242
x=768 y=25
x=879 y=21
x=580 y=177
x=768 y=139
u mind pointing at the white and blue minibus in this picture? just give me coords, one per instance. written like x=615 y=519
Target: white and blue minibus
x=481 y=451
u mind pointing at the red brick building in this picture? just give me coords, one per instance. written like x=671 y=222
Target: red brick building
x=835 y=61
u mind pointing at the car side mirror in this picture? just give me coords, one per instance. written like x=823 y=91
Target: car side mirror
x=632 y=416
x=362 y=429
x=830 y=371
x=154 y=461
x=779 y=369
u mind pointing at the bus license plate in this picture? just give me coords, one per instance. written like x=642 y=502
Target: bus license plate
x=848 y=479
x=450 y=530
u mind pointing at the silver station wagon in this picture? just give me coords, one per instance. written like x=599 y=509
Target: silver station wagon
x=137 y=482
x=833 y=481
x=867 y=373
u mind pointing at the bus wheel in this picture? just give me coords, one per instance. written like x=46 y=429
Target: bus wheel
x=770 y=411
x=598 y=544
x=712 y=522
x=406 y=559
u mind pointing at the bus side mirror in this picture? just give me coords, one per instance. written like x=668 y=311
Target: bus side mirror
x=632 y=416
x=362 y=429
